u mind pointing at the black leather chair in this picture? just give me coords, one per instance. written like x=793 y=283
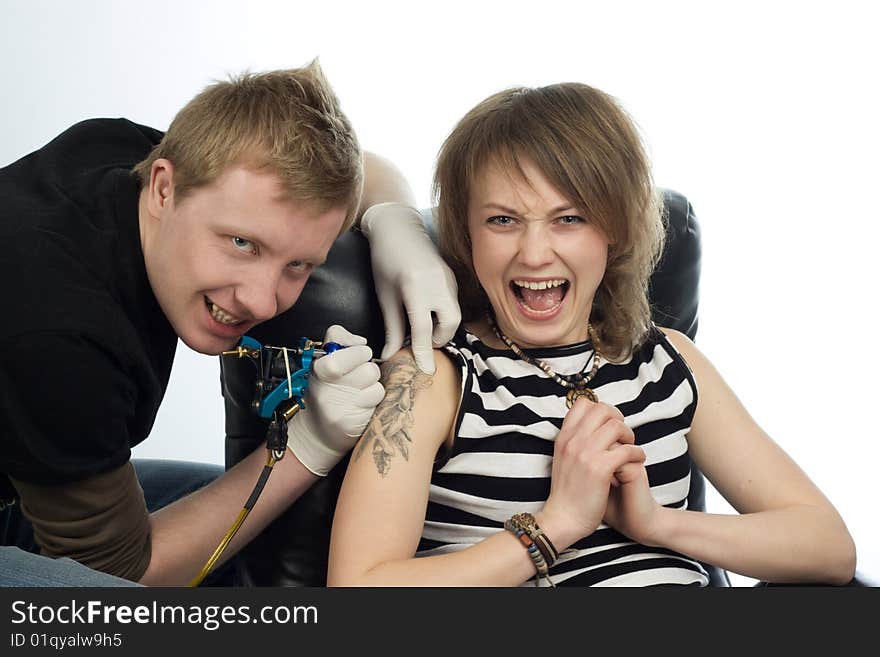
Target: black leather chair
x=292 y=551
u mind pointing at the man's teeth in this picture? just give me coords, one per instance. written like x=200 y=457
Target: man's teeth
x=222 y=316
x=540 y=285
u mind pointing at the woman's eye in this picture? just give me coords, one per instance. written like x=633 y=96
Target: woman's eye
x=571 y=219
x=244 y=245
x=501 y=220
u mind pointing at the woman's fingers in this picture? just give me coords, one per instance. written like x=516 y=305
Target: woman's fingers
x=586 y=417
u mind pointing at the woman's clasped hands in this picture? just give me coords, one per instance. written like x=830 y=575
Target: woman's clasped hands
x=598 y=475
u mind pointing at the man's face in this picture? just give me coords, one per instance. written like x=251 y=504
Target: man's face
x=231 y=254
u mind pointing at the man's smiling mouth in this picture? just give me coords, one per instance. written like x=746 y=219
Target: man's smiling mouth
x=220 y=315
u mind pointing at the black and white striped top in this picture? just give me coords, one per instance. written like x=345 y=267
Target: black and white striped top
x=500 y=462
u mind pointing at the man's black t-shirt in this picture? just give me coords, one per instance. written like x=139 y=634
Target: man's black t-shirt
x=85 y=350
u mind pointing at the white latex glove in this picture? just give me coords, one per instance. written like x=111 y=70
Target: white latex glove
x=409 y=272
x=344 y=390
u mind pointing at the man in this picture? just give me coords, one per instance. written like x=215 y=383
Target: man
x=217 y=229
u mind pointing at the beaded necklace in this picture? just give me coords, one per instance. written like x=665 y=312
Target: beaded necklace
x=576 y=383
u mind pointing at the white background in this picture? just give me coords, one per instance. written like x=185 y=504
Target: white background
x=763 y=114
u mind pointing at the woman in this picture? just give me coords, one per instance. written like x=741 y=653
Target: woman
x=553 y=443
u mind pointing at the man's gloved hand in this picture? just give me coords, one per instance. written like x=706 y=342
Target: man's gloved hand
x=344 y=390
x=408 y=271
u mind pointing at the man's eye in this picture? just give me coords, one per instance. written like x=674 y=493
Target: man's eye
x=501 y=220
x=244 y=245
x=300 y=267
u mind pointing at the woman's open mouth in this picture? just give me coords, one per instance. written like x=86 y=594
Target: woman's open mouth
x=542 y=297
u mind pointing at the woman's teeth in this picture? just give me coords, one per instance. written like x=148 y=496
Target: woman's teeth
x=540 y=285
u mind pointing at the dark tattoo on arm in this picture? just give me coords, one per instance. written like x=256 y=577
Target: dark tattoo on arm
x=389 y=429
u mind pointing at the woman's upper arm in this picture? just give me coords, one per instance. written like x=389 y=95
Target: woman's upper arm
x=743 y=463
x=381 y=508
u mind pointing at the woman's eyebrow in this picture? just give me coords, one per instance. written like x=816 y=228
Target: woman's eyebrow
x=504 y=208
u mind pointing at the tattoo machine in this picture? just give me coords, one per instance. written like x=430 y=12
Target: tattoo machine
x=275 y=389
x=280 y=383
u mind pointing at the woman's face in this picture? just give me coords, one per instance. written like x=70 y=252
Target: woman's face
x=539 y=260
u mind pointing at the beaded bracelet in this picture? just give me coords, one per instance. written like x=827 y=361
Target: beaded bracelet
x=536 y=553
x=528 y=523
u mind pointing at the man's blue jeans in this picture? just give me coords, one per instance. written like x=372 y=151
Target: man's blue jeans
x=163 y=483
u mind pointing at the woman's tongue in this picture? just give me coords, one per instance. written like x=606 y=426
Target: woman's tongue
x=542 y=300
